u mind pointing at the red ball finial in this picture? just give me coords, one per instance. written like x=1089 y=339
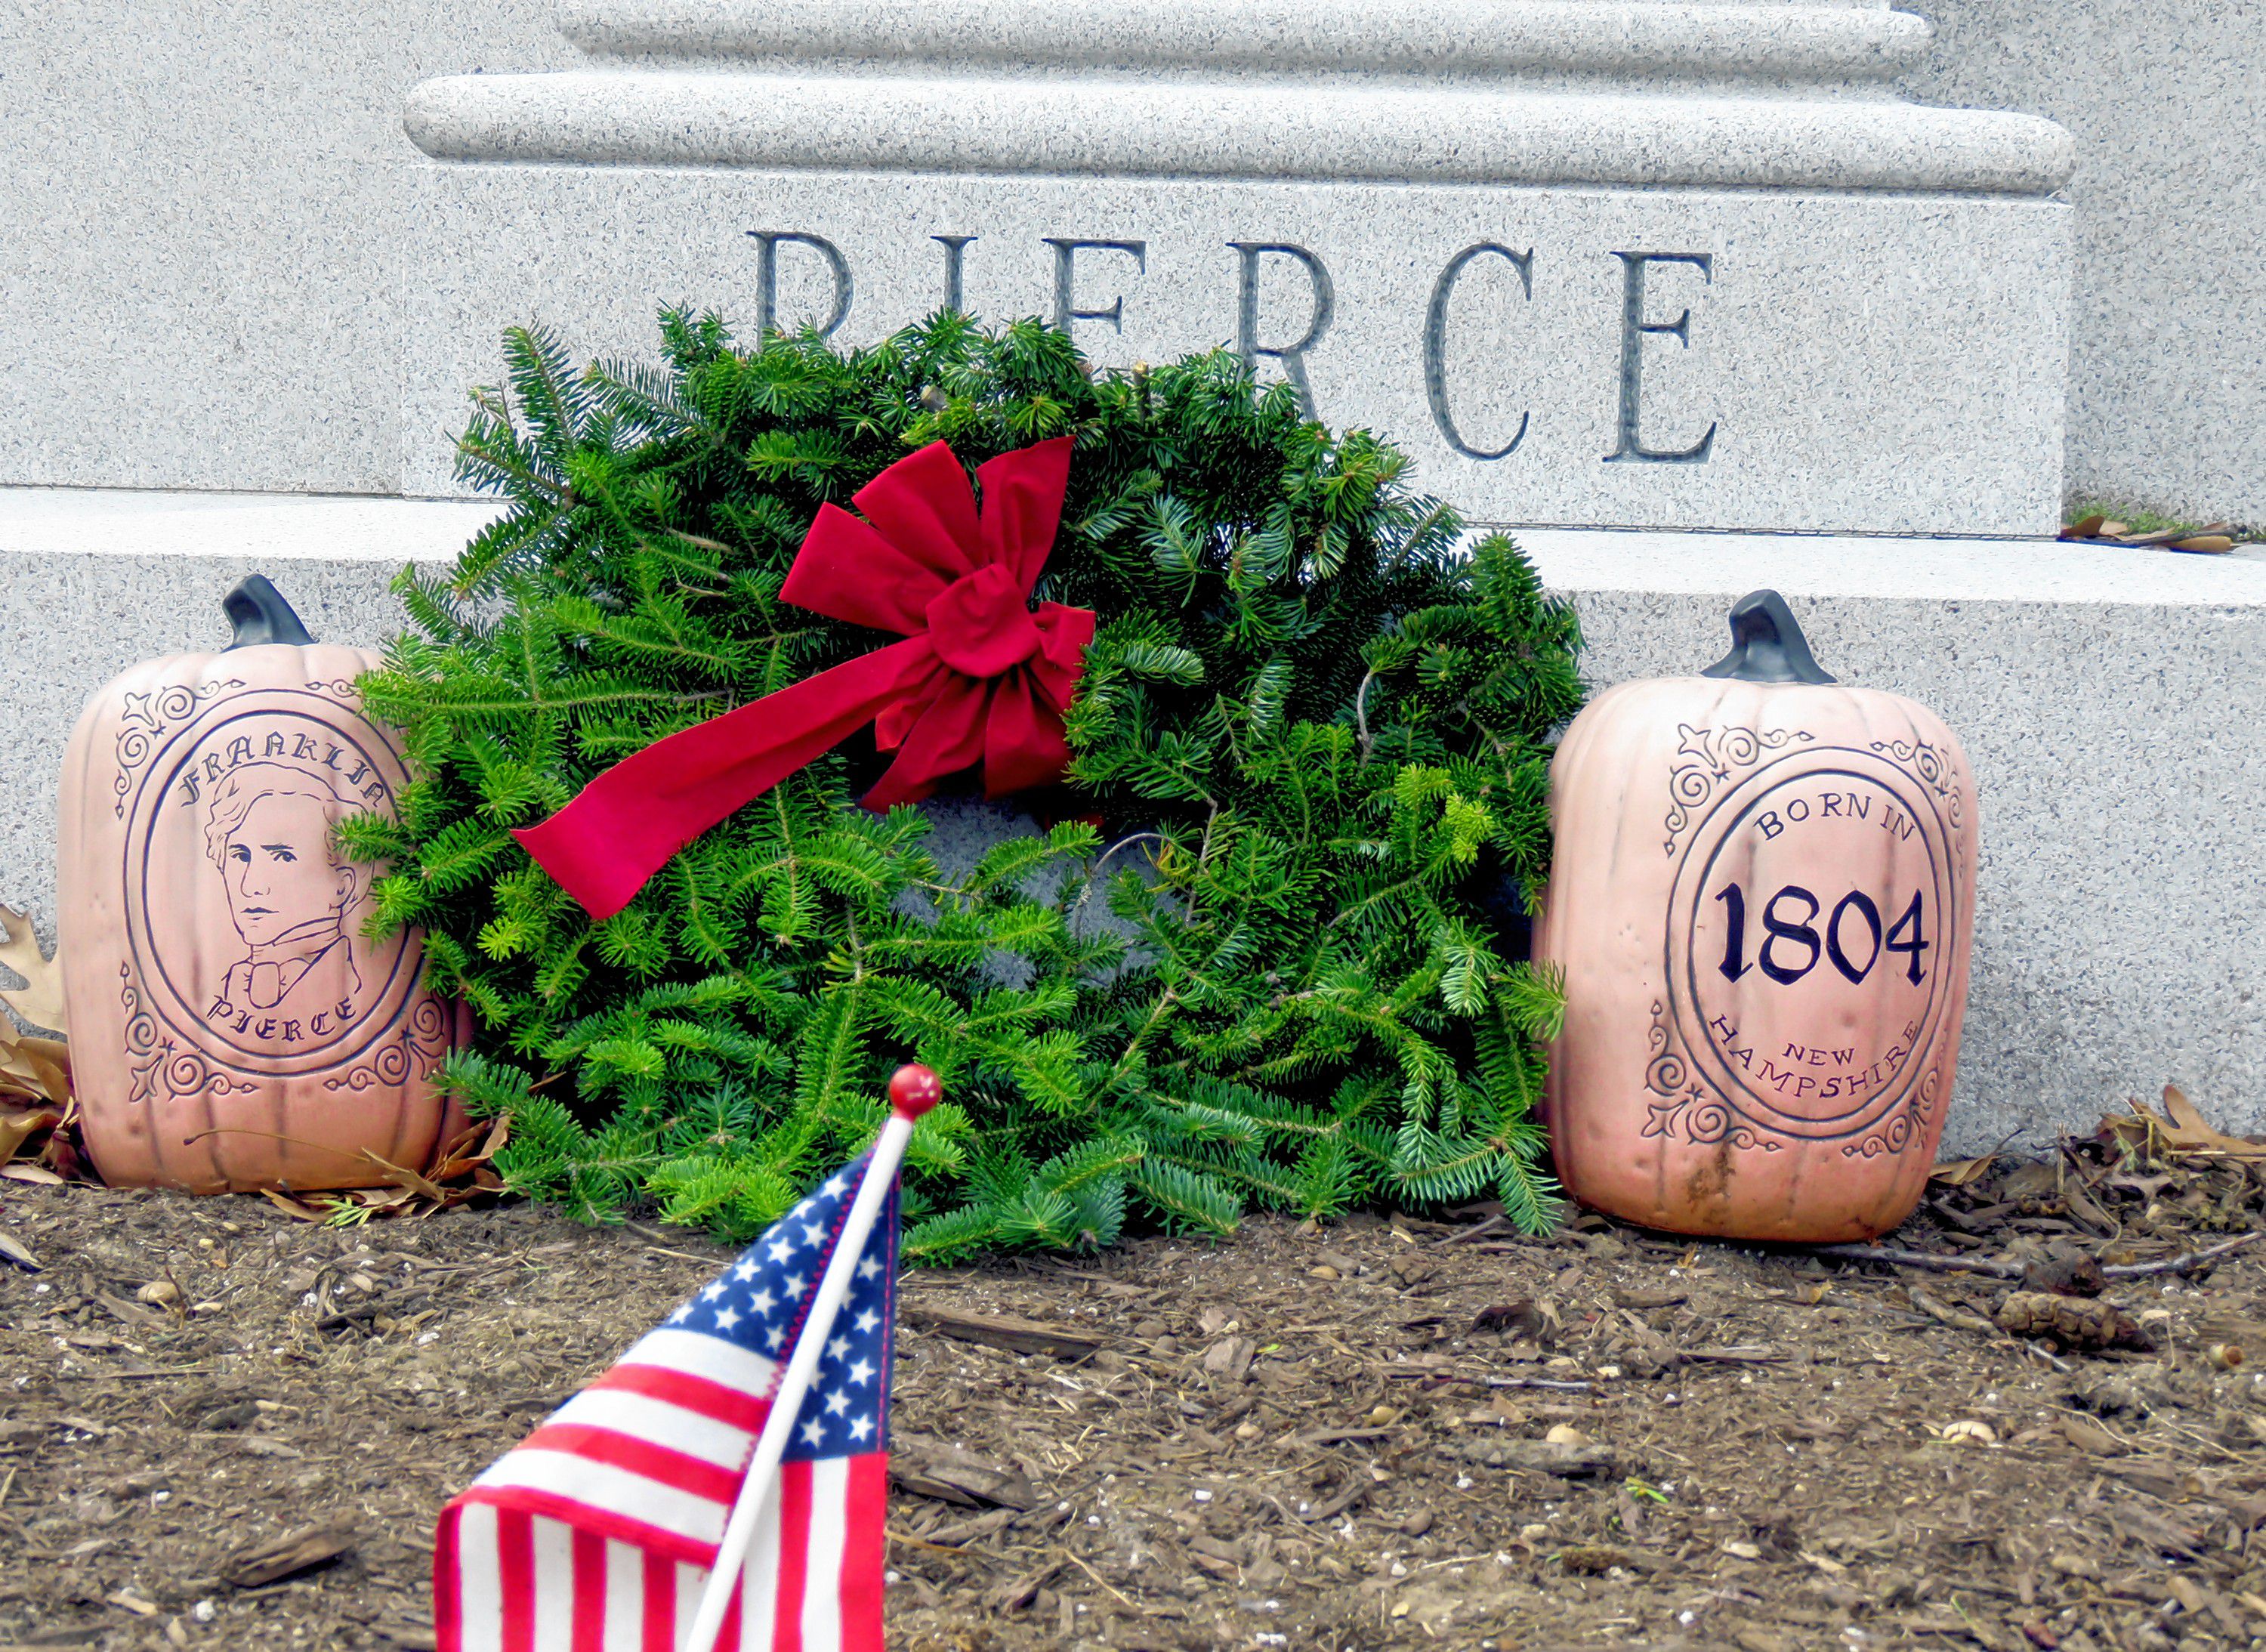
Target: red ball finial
x=914 y=1089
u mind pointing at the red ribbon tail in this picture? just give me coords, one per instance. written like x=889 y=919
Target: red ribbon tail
x=622 y=827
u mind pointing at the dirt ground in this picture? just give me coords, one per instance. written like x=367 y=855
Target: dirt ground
x=1376 y=1434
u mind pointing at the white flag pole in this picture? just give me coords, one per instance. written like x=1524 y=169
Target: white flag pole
x=913 y=1091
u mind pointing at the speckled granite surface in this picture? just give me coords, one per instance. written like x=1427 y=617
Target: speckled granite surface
x=203 y=216
x=2166 y=101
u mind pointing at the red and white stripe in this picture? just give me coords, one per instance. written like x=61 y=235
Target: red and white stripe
x=598 y=1532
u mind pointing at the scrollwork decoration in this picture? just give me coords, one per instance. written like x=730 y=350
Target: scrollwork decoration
x=144 y=721
x=1689 y=1110
x=1922 y=759
x=1715 y=754
x=163 y=1070
x=415 y=1051
x=1904 y=1126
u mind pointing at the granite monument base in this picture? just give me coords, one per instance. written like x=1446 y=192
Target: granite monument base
x=2109 y=701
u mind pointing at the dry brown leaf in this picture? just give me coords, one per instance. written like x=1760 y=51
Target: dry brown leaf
x=1964 y=1172
x=379 y=1199
x=459 y=1157
x=296 y=1552
x=2192 y=1133
x=30 y=1059
x=410 y=1179
x=2087 y=528
x=1004 y=1331
x=2088 y=1435
x=2209 y=543
x=930 y=1467
x=16 y=1128
x=40 y=1000
x=2084 y=1209
x=38 y=1174
x=297 y=1208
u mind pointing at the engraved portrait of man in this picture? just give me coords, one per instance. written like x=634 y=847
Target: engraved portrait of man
x=268 y=829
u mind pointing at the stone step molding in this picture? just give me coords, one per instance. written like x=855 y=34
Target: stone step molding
x=1624 y=263
x=1431 y=39
x=1518 y=92
x=1148 y=128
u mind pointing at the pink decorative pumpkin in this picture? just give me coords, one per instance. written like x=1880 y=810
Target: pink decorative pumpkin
x=1762 y=900
x=230 y=1026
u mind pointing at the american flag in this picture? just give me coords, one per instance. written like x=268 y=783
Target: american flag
x=598 y=1532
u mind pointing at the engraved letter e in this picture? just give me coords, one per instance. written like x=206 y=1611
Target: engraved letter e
x=1634 y=328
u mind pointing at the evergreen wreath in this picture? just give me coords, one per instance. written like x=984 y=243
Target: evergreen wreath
x=1314 y=728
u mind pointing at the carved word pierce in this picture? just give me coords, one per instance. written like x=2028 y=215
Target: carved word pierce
x=1083 y=269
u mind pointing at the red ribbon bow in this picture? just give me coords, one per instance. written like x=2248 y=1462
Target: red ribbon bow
x=981 y=678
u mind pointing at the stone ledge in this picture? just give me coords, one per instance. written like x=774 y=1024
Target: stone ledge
x=346 y=529
x=1346 y=130
x=1146 y=38
x=2031 y=572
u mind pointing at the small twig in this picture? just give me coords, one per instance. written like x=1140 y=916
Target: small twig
x=933 y=1548
x=1747 y=1354
x=1932 y=1263
x=1095 y=1576
x=650 y=1236
x=1925 y=1260
x=682 y=1256
x=1944 y=1314
x=1550 y=1383
x=2186 y=1264
x=1493 y=1224
x=1361 y=713
x=1094 y=876
x=2045 y=1355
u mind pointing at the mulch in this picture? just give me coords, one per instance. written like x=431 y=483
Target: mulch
x=222 y=1426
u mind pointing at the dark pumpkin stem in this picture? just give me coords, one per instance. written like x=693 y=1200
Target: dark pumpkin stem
x=1767 y=644
x=259 y=614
